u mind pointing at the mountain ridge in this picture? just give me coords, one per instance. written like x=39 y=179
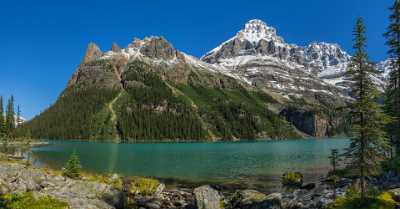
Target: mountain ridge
x=252 y=86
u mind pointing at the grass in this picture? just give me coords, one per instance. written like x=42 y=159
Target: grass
x=382 y=201
x=143 y=186
x=292 y=179
x=28 y=200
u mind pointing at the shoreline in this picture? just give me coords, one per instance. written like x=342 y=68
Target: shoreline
x=106 y=192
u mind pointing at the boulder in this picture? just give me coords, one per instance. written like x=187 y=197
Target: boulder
x=251 y=199
x=395 y=194
x=308 y=186
x=208 y=198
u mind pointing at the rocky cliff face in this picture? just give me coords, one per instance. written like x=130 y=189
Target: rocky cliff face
x=257 y=50
x=313 y=74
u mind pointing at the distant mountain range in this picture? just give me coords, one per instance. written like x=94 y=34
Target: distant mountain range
x=254 y=85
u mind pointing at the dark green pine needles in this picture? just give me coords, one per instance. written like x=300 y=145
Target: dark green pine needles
x=73 y=167
x=369 y=142
x=392 y=100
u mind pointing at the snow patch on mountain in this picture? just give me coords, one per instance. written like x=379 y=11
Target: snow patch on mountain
x=257 y=45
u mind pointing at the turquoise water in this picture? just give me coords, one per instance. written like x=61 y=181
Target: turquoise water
x=245 y=162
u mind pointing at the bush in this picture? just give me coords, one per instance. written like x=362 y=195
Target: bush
x=353 y=201
x=292 y=179
x=143 y=186
x=392 y=165
x=27 y=200
x=73 y=167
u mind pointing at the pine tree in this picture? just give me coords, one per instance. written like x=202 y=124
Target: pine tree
x=334 y=160
x=2 y=131
x=369 y=143
x=10 y=117
x=18 y=120
x=392 y=101
x=73 y=167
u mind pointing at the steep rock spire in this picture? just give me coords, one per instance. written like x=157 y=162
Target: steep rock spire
x=93 y=52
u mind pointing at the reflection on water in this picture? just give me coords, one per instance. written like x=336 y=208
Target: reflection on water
x=246 y=162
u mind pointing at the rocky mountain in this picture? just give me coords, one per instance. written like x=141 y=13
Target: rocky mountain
x=255 y=85
x=257 y=54
x=151 y=91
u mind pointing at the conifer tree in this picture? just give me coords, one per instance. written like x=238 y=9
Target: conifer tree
x=369 y=143
x=2 y=131
x=18 y=120
x=392 y=101
x=10 y=117
x=334 y=160
x=73 y=167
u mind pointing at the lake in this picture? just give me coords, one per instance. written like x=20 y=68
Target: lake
x=244 y=164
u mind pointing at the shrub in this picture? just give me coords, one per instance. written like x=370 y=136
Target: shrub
x=143 y=186
x=382 y=201
x=392 y=165
x=292 y=179
x=73 y=167
x=28 y=200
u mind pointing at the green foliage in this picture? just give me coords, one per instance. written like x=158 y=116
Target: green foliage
x=10 y=117
x=143 y=186
x=392 y=101
x=28 y=200
x=150 y=110
x=237 y=113
x=2 y=120
x=147 y=107
x=73 y=167
x=78 y=114
x=392 y=165
x=353 y=200
x=369 y=143
x=292 y=179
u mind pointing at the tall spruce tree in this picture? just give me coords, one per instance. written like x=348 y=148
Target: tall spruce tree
x=392 y=101
x=10 y=117
x=18 y=119
x=2 y=121
x=369 y=143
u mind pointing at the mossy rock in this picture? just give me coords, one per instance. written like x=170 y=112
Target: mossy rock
x=31 y=201
x=292 y=179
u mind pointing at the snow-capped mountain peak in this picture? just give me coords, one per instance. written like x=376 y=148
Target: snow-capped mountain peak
x=256 y=30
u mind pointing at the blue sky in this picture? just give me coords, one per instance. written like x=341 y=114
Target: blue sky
x=43 y=41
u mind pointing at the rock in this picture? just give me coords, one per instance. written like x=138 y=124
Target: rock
x=251 y=199
x=395 y=194
x=115 y=47
x=308 y=186
x=159 y=189
x=93 y=52
x=78 y=194
x=208 y=198
x=3 y=188
x=158 y=47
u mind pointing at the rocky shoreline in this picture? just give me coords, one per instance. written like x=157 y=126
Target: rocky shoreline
x=115 y=192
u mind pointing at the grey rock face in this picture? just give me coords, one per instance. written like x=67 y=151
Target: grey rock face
x=207 y=198
x=158 y=47
x=115 y=48
x=93 y=52
x=78 y=194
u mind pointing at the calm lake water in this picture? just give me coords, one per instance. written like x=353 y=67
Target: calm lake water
x=253 y=164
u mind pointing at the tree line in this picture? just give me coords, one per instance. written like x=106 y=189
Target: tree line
x=10 y=120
